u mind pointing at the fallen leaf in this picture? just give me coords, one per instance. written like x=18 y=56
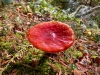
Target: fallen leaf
x=1 y=28
x=85 y=60
x=81 y=67
x=30 y=15
x=77 y=72
x=97 y=70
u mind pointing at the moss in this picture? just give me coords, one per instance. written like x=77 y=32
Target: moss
x=5 y=45
x=77 y=54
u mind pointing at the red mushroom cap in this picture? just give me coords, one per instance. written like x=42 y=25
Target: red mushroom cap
x=51 y=36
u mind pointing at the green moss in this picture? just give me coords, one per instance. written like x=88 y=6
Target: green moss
x=77 y=54
x=5 y=45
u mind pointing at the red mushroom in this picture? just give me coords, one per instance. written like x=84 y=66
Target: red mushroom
x=51 y=36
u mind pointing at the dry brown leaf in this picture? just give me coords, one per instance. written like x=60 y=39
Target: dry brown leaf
x=19 y=9
x=30 y=15
x=97 y=70
x=1 y=28
x=81 y=67
x=98 y=49
x=77 y=72
x=96 y=60
x=85 y=60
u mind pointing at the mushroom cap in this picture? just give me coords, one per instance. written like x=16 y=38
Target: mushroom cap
x=51 y=37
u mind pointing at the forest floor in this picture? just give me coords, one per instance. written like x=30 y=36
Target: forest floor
x=19 y=57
